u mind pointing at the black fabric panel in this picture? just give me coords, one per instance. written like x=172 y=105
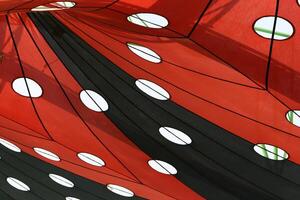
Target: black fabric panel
x=125 y=123
x=3 y=192
x=35 y=173
x=218 y=165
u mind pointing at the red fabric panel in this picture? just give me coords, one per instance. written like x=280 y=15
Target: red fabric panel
x=226 y=29
x=195 y=61
x=6 y=5
x=284 y=78
x=16 y=107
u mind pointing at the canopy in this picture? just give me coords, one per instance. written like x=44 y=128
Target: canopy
x=151 y=99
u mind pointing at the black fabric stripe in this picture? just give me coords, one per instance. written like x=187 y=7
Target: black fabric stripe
x=34 y=173
x=3 y=193
x=199 y=166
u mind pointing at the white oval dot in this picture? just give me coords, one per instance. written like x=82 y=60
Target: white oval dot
x=61 y=5
x=93 y=101
x=72 y=198
x=265 y=25
x=91 y=159
x=162 y=167
x=61 y=180
x=65 y=4
x=122 y=191
x=270 y=152
x=152 y=89
x=148 y=20
x=34 y=90
x=18 y=184
x=293 y=116
x=144 y=53
x=47 y=154
x=175 y=136
x=10 y=145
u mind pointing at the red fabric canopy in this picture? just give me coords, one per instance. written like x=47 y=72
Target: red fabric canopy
x=213 y=64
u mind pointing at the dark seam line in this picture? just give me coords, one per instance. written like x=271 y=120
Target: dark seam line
x=271 y=46
x=107 y=6
x=270 y=60
x=198 y=21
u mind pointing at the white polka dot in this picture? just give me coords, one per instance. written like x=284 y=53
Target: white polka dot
x=122 y=191
x=10 y=145
x=162 y=167
x=65 y=4
x=175 y=136
x=20 y=86
x=93 y=101
x=18 y=184
x=270 y=152
x=55 y=6
x=47 y=154
x=61 y=180
x=148 y=20
x=299 y=2
x=152 y=89
x=265 y=25
x=91 y=159
x=144 y=53
x=293 y=116
x=72 y=198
